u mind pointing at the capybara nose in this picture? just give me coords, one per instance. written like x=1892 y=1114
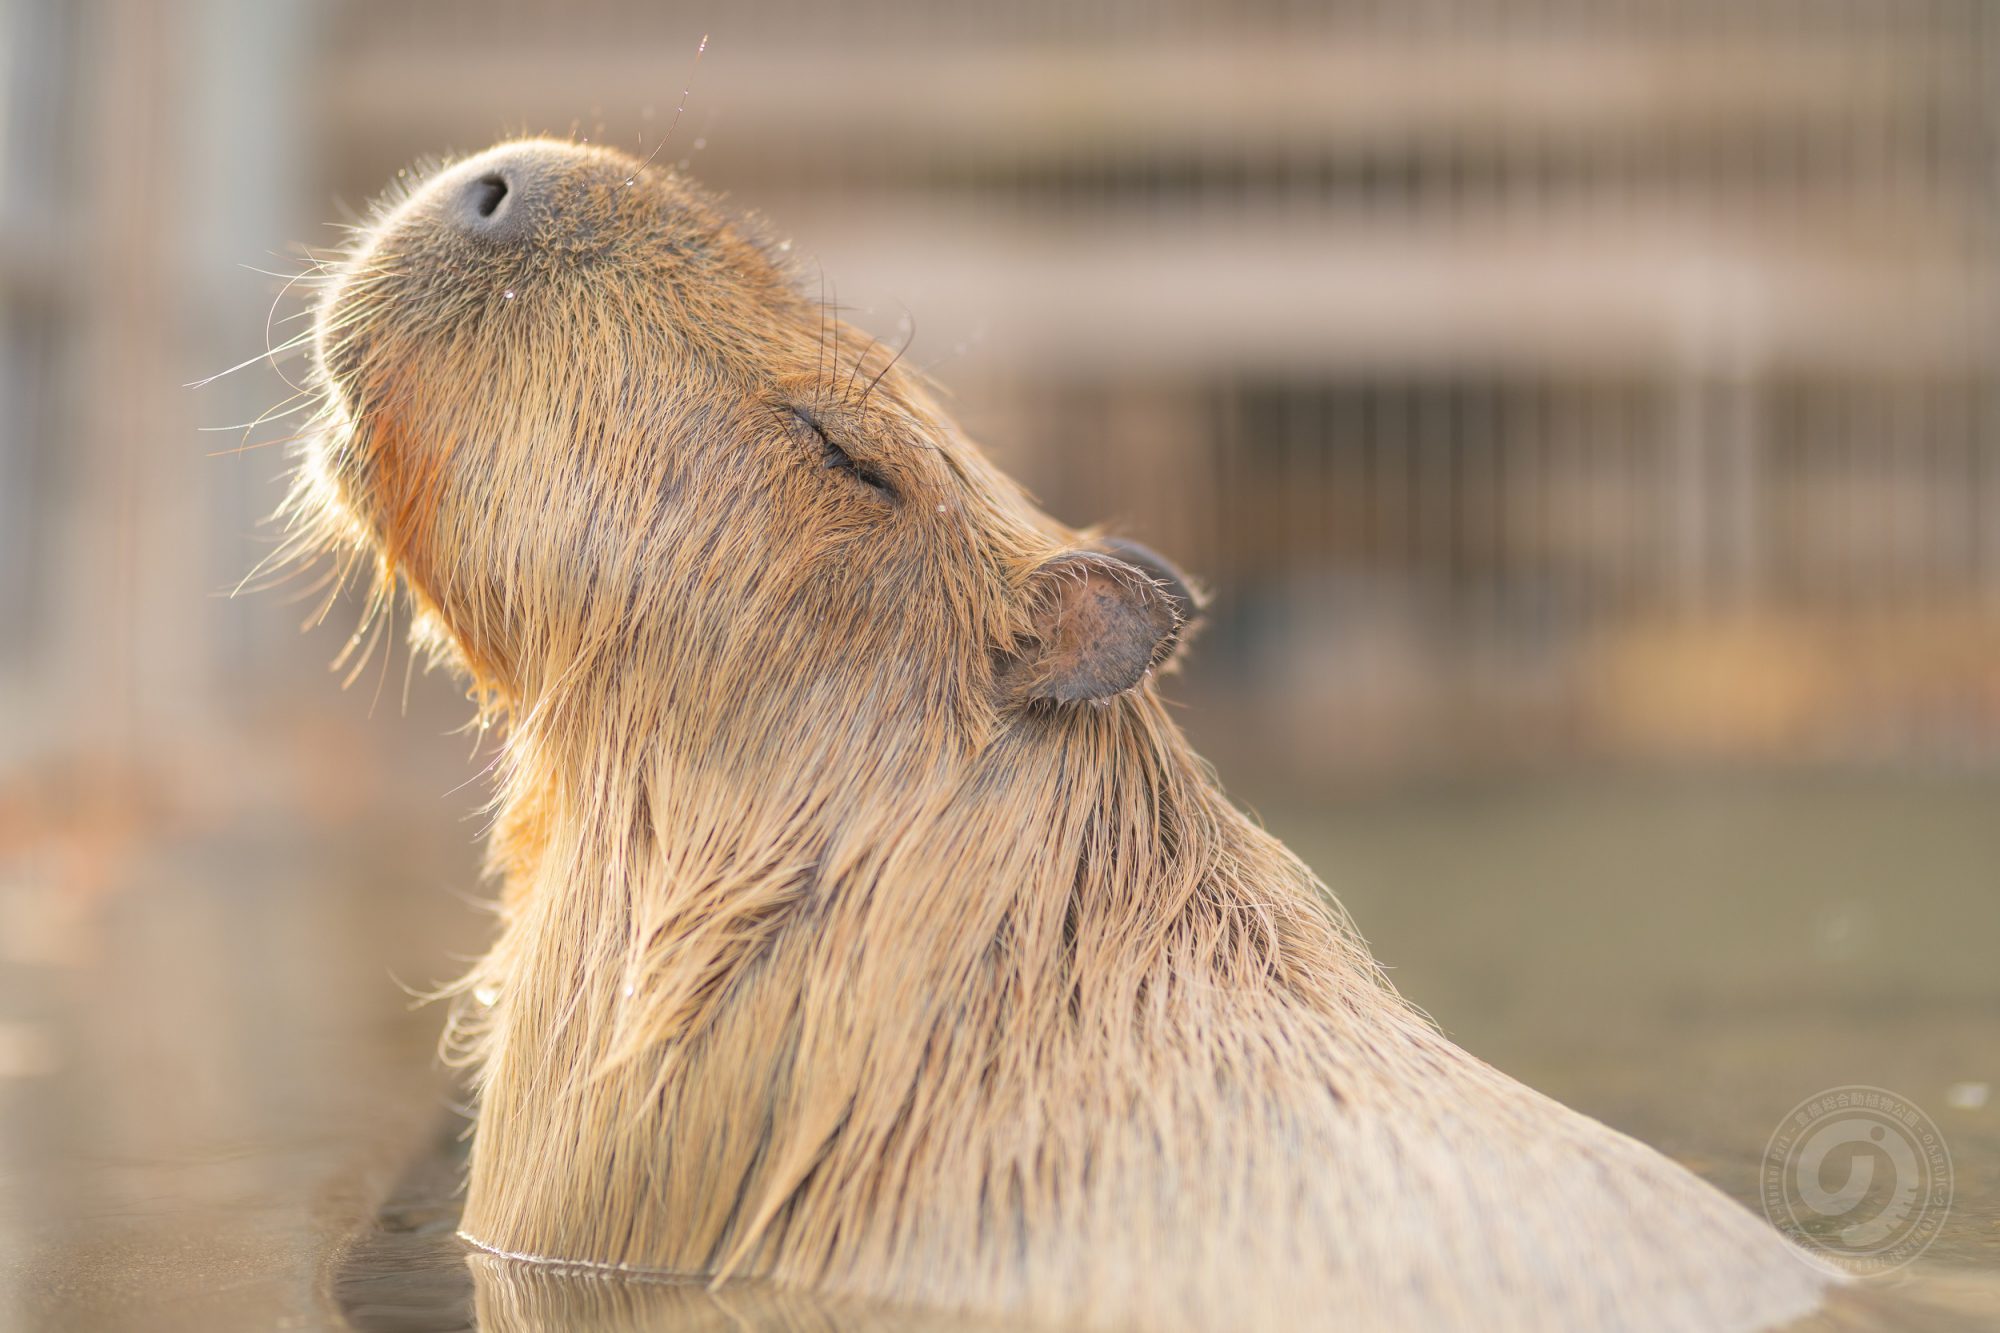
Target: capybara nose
x=496 y=204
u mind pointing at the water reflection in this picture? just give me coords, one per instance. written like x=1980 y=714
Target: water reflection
x=518 y=1298
x=407 y=1272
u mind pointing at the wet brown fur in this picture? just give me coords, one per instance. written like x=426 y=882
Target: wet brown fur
x=840 y=946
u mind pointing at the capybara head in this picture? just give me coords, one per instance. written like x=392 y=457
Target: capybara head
x=599 y=429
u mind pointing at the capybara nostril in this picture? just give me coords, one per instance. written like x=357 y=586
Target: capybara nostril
x=493 y=206
x=488 y=193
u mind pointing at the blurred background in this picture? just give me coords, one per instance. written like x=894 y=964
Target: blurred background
x=1585 y=413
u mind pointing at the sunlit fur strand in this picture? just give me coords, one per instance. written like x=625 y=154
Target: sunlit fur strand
x=826 y=958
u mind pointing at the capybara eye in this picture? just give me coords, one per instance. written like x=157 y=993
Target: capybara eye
x=833 y=456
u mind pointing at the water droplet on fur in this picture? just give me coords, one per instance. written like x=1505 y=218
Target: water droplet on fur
x=944 y=509
x=486 y=995
x=784 y=247
x=629 y=988
x=507 y=295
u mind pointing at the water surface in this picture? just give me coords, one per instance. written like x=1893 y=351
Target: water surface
x=220 y=1111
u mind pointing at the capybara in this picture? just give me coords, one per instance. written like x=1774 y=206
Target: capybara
x=867 y=925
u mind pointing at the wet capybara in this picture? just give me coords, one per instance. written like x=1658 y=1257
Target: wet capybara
x=867 y=925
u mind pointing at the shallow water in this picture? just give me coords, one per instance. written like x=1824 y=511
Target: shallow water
x=219 y=1109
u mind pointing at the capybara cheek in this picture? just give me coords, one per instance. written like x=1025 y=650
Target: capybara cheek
x=401 y=480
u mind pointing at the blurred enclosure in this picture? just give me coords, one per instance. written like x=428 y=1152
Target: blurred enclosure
x=1537 y=381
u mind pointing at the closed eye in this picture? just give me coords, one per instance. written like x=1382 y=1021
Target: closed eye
x=833 y=456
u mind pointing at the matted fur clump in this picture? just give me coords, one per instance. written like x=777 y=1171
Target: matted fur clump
x=867 y=925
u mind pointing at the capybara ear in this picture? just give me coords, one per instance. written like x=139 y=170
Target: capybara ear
x=1188 y=599
x=1099 y=625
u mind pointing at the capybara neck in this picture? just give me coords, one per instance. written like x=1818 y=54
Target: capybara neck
x=867 y=925
x=773 y=980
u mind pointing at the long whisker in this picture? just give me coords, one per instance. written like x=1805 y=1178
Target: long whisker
x=343 y=572
x=269 y=354
x=249 y=446
x=908 y=342
x=271 y=314
x=283 y=408
x=674 y=124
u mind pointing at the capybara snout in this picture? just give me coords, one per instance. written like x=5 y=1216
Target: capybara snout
x=544 y=198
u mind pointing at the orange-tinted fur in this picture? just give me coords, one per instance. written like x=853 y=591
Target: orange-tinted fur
x=838 y=947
